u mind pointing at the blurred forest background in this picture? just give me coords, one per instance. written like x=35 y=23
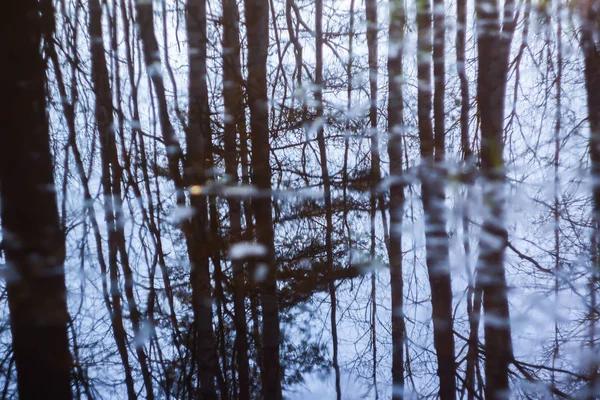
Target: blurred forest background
x=267 y=199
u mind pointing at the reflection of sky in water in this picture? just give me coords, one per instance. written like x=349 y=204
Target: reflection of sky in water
x=322 y=386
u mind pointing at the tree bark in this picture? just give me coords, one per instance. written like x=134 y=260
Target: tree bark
x=494 y=45
x=198 y=141
x=198 y=132
x=232 y=98
x=326 y=187
x=257 y=25
x=396 y=132
x=34 y=243
x=433 y=193
x=372 y=30
x=461 y=42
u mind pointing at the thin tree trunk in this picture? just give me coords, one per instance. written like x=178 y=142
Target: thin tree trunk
x=248 y=234
x=294 y=40
x=372 y=30
x=439 y=81
x=433 y=193
x=145 y=23
x=34 y=243
x=347 y=128
x=461 y=42
x=232 y=98
x=396 y=131
x=556 y=206
x=494 y=46
x=326 y=187
x=257 y=25
x=461 y=59
x=214 y=245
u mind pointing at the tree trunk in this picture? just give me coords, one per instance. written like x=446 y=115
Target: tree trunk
x=257 y=25
x=326 y=187
x=145 y=24
x=34 y=243
x=198 y=141
x=232 y=98
x=372 y=30
x=198 y=132
x=494 y=46
x=433 y=193
x=396 y=131
x=461 y=42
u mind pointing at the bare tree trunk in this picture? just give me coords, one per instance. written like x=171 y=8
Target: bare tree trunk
x=433 y=193
x=257 y=25
x=214 y=243
x=198 y=132
x=494 y=46
x=461 y=59
x=556 y=206
x=198 y=140
x=439 y=81
x=34 y=243
x=232 y=97
x=461 y=41
x=372 y=30
x=326 y=187
x=396 y=132
x=349 y=77
x=145 y=23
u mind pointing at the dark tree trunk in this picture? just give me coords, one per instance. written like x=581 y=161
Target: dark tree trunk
x=439 y=81
x=214 y=241
x=396 y=132
x=198 y=140
x=198 y=132
x=232 y=98
x=372 y=31
x=257 y=25
x=461 y=42
x=461 y=46
x=326 y=187
x=433 y=193
x=494 y=46
x=349 y=78
x=34 y=243
x=145 y=23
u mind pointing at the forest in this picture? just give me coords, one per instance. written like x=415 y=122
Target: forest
x=300 y=199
